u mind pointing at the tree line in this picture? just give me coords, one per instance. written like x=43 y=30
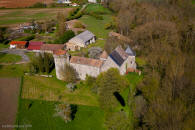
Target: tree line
x=163 y=34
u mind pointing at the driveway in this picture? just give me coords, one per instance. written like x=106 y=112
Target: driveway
x=25 y=58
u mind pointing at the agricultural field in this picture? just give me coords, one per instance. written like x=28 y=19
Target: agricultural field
x=21 y=3
x=9 y=58
x=9 y=92
x=16 y=16
x=52 y=89
x=40 y=114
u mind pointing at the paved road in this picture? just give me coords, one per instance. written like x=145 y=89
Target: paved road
x=21 y=53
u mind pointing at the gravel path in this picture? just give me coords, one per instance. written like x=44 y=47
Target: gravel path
x=25 y=58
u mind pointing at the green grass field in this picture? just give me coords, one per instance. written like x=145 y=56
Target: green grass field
x=97 y=26
x=41 y=116
x=97 y=8
x=9 y=58
x=15 y=16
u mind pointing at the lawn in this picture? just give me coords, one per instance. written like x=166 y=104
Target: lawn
x=52 y=89
x=12 y=70
x=9 y=58
x=97 y=8
x=41 y=116
x=16 y=16
x=97 y=26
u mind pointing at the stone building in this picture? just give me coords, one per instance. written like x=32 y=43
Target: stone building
x=92 y=1
x=50 y=48
x=82 y=40
x=120 y=59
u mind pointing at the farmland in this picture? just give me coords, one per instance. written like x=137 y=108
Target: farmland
x=17 y=16
x=9 y=91
x=21 y=3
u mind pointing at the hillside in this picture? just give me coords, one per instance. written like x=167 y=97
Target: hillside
x=21 y=3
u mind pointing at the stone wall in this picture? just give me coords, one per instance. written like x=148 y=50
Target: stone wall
x=129 y=63
x=84 y=70
x=109 y=63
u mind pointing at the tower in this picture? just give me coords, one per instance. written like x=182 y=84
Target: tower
x=60 y=59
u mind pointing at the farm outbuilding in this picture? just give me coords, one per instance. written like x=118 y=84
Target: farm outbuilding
x=35 y=46
x=82 y=40
x=18 y=44
x=50 y=48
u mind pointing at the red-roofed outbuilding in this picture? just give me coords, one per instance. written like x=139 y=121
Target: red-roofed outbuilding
x=18 y=44
x=35 y=46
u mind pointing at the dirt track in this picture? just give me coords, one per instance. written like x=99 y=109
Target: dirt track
x=9 y=91
x=21 y=3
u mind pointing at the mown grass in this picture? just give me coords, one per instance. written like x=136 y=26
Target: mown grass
x=12 y=70
x=97 y=8
x=97 y=26
x=41 y=116
x=9 y=58
x=52 y=89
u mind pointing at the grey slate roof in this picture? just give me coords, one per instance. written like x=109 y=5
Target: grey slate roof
x=119 y=56
x=129 y=51
x=83 y=37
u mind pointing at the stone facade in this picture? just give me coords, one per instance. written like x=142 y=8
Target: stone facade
x=93 y=67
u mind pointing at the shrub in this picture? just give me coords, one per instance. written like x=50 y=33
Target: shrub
x=67 y=36
x=97 y=16
x=26 y=38
x=64 y=111
x=39 y=5
x=69 y=74
x=42 y=63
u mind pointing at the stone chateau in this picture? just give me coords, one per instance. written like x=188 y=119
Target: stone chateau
x=119 y=58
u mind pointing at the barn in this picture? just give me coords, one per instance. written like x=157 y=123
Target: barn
x=18 y=44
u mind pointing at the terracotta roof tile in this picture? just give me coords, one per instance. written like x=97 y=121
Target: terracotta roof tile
x=18 y=42
x=59 y=52
x=52 y=47
x=104 y=55
x=86 y=61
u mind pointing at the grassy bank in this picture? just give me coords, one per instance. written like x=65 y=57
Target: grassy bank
x=40 y=114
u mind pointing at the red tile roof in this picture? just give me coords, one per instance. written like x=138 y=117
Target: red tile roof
x=18 y=42
x=104 y=55
x=59 y=52
x=52 y=47
x=35 y=45
x=86 y=61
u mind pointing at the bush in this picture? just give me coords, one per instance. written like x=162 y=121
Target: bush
x=67 y=36
x=69 y=74
x=75 y=14
x=42 y=63
x=64 y=111
x=109 y=26
x=97 y=16
x=39 y=5
x=26 y=38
